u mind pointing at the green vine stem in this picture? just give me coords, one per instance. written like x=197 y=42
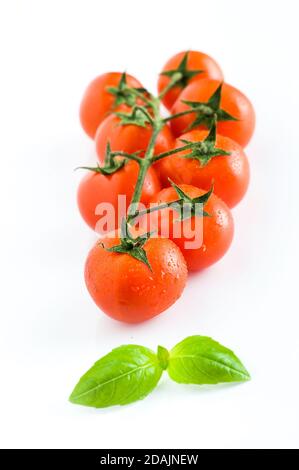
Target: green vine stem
x=182 y=113
x=149 y=210
x=177 y=204
x=144 y=165
x=146 y=99
x=173 y=151
x=147 y=161
x=130 y=156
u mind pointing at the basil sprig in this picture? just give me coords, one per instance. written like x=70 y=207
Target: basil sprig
x=130 y=372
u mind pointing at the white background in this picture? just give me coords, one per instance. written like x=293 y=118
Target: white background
x=51 y=331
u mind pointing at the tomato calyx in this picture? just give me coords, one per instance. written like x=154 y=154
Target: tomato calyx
x=110 y=164
x=132 y=246
x=187 y=206
x=122 y=92
x=205 y=111
x=137 y=116
x=122 y=96
x=181 y=75
x=205 y=150
x=126 y=95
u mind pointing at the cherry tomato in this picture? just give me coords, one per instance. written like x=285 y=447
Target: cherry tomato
x=98 y=102
x=216 y=230
x=129 y=138
x=126 y=289
x=195 y=61
x=96 y=188
x=232 y=102
x=229 y=173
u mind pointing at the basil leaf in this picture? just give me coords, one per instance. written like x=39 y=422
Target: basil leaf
x=201 y=360
x=126 y=374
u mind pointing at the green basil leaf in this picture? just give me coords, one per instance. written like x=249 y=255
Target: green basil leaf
x=126 y=374
x=201 y=360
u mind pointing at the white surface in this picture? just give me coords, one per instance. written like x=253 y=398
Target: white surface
x=51 y=331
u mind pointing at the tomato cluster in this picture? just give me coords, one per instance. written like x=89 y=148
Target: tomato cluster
x=194 y=156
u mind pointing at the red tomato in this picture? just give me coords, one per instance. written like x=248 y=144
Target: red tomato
x=96 y=188
x=230 y=174
x=126 y=289
x=98 y=102
x=213 y=234
x=129 y=138
x=195 y=61
x=232 y=101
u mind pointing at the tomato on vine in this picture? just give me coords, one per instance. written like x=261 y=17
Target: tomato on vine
x=205 y=98
x=217 y=160
x=105 y=185
x=134 y=274
x=103 y=95
x=206 y=236
x=184 y=68
x=133 y=280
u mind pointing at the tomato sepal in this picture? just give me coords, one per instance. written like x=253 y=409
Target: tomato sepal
x=110 y=164
x=205 y=150
x=138 y=116
x=181 y=73
x=194 y=204
x=132 y=246
x=122 y=93
x=205 y=111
